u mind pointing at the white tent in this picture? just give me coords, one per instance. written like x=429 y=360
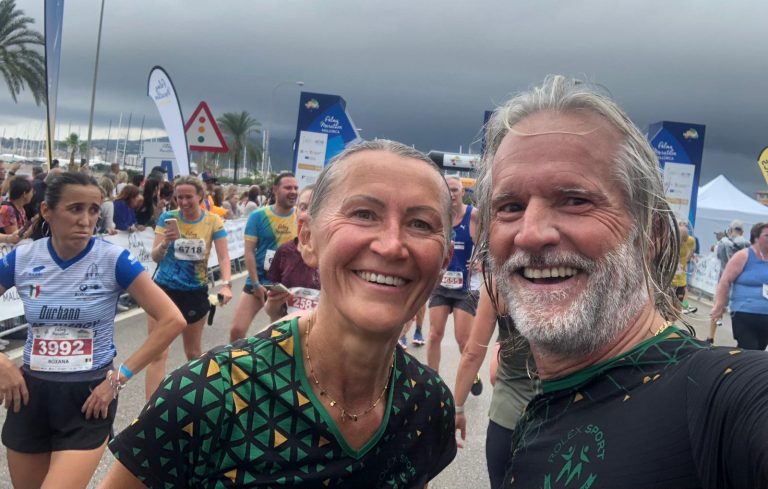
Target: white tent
x=720 y=202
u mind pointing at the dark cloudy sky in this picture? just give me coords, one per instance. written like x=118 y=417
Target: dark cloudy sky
x=419 y=71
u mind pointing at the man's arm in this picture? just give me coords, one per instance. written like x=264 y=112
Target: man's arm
x=250 y=258
x=473 y=224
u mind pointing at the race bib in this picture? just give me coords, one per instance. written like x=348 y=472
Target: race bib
x=303 y=299
x=61 y=349
x=765 y=291
x=268 y=259
x=189 y=249
x=453 y=280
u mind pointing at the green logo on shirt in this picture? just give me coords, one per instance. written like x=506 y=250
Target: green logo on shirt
x=576 y=454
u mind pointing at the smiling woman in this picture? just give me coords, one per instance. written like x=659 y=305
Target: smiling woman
x=327 y=400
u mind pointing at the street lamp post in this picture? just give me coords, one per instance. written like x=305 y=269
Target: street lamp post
x=267 y=134
x=95 y=74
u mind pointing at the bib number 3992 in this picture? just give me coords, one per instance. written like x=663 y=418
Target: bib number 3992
x=61 y=349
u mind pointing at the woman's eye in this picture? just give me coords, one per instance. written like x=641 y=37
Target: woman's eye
x=420 y=224
x=363 y=214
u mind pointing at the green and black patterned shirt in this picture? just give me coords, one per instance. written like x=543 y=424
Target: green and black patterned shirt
x=245 y=416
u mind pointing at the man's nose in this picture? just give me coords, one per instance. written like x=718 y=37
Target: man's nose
x=538 y=227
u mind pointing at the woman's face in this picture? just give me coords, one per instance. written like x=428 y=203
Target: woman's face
x=380 y=242
x=135 y=202
x=74 y=218
x=762 y=239
x=188 y=199
x=28 y=196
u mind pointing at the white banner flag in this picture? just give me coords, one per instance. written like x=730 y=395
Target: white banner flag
x=160 y=89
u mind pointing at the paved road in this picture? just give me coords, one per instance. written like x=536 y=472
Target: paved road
x=466 y=471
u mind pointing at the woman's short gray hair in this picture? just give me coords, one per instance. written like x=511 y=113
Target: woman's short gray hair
x=332 y=174
x=636 y=171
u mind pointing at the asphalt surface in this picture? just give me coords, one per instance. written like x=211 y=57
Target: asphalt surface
x=468 y=469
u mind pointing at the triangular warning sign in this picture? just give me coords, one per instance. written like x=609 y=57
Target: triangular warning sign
x=203 y=133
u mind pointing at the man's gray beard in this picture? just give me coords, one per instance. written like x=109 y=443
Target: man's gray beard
x=615 y=293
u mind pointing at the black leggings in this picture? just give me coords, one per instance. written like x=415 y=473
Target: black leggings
x=498 y=451
x=750 y=330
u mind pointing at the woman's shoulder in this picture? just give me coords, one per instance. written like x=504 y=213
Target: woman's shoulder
x=420 y=377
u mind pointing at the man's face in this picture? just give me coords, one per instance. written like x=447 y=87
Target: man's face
x=561 y=240
x=457 y=191
x=286 y=192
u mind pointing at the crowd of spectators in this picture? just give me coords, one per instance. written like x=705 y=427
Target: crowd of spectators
x=131 y=203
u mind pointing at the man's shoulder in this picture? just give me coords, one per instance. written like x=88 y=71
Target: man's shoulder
x=721 y=364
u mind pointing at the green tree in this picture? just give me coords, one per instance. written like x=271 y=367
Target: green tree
x=74 y=145
x=237 y=126
x=20 y=64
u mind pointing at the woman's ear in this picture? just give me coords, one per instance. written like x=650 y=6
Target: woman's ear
x=44 y=210
x=307 y=247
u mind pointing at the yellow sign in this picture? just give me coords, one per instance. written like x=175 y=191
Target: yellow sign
x=762 y=162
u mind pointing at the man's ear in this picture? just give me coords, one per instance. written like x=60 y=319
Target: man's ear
x=308 y=252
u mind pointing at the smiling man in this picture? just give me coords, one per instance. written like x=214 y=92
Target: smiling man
x=583 y=247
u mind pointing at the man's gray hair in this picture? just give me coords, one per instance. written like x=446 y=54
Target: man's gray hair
x=636 y=171
x=333 y=173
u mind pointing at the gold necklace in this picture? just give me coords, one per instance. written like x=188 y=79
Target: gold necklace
x=662 y=328
x=323 y=392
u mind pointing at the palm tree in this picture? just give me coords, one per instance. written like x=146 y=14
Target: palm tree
x=237 y=126
x=75 y=144
x=20 y=65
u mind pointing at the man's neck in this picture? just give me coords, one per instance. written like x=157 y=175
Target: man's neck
x=279 y=209
x=458 y=213
x=645 y=325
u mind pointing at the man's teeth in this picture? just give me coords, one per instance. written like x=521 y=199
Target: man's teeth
x=553 y=272
x=378 y=278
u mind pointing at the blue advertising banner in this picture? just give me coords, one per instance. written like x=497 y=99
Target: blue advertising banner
x=323 y=129
x=679 y=147
x=486 y=117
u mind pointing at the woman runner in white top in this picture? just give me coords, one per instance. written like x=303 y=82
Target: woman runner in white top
x=62 y=401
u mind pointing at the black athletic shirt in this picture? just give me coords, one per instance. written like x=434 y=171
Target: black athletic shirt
x=672 y=412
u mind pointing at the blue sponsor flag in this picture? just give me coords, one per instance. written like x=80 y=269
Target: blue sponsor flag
x=679 y=146
x=324 y=128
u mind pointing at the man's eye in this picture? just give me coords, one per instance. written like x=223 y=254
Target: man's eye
x=576 y=201
x=507 y=208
